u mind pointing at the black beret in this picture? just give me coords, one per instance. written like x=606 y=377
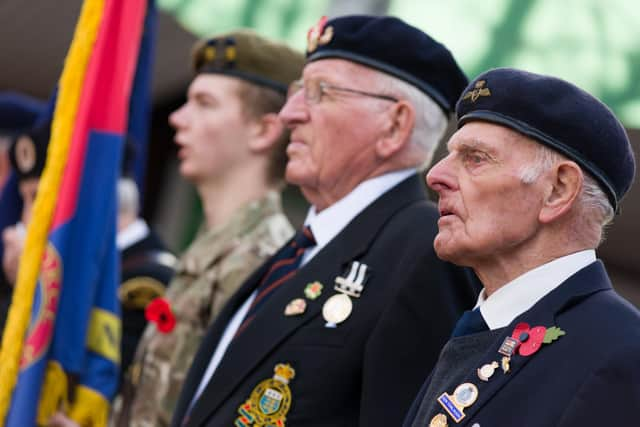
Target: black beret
x=394 y=47
x=559 y=115
x=28 y=151
x=247 y=55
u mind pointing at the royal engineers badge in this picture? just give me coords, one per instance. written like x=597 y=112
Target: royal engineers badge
x=269 y=402
x=463 y=396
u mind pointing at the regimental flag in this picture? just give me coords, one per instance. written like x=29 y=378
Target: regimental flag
x=69 y=356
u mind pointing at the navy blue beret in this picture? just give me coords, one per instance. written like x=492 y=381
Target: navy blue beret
x=19 y=112
x=391 y=45
x=559 y=115
x=28 y=151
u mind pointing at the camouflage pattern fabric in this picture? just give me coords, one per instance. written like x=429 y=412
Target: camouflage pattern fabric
x=209 y=272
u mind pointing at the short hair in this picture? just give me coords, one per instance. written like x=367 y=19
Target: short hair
x=256 y=102
x=430 y=121
x=592 y=200
x=128 y=196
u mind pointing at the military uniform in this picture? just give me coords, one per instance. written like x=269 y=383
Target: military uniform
x=209 y=272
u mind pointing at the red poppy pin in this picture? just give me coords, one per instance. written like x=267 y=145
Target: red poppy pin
x=159 y=312
x=531 y=339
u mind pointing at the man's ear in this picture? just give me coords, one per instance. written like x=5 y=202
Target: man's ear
x=566 y=183
x=265 y=131
x=398 y=129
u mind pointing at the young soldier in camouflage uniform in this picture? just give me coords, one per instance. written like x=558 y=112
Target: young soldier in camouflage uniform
x=232 y=148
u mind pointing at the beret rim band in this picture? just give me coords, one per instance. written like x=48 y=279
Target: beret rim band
x=527 y=130
x=389 y=69
x=252 y=78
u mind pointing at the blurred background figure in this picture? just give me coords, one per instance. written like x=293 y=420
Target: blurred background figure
x=18 y=113
x=146 y=264
x=146 y=267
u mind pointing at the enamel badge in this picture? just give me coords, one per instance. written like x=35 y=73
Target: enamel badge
x=463 y=396
x=486 y=371
x=439 y=420
x=295 y=307
x=313 y=290
x=269 y=402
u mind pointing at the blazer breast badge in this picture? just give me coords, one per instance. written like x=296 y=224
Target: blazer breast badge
x=269 y=401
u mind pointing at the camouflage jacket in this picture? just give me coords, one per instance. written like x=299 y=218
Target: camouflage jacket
x=209 y=272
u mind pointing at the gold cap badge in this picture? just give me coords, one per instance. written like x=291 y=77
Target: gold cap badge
x=478 y=91
x=318 y=35
x=25 y=153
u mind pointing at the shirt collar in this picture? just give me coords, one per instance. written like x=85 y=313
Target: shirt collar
x=519 y=295
x=132 y=234
x=326 y=224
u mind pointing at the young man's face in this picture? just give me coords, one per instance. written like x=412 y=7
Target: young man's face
x=211 y=128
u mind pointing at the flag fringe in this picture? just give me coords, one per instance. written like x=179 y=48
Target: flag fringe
x=90 y=408
x=54 y=396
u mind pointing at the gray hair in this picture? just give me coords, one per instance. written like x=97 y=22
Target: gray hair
x=430 y=121
x=593 y=202
x=128 y=196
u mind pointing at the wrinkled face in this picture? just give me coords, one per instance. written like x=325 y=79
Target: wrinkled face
x=211 y=129
x=28 y=189
x=486 y=211
x=332 y=140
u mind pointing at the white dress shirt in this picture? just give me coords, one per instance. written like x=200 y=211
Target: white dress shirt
x=523 y=292
x=325 y=225
x=132 y=234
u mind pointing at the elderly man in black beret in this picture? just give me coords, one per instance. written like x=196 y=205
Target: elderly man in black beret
x=535 y=171
x=342 y=324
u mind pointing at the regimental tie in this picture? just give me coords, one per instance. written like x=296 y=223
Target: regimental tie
x=284 y=266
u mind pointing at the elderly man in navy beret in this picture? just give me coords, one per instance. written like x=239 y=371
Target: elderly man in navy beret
x=535 y=171
x=340 y=327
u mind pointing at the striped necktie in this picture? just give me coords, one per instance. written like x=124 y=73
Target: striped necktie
x=284 y=265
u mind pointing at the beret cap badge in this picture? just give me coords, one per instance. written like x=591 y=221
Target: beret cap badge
x=25 y=154
x=319 y=35
x=479 y=90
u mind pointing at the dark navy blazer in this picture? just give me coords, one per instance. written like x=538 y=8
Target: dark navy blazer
x=367 y=370
x=588 y=377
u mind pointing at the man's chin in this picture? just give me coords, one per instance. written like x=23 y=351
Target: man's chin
x=446 y=251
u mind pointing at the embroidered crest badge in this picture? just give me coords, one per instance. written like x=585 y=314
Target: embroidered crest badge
x=269 y=401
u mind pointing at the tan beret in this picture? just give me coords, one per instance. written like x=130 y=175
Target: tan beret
x=249 y=56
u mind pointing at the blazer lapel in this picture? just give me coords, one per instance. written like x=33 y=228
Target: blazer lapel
x=585 y=282
x=271 y=327
x=210 y=342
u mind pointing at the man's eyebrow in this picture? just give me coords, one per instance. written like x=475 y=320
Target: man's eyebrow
x=470 y=144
